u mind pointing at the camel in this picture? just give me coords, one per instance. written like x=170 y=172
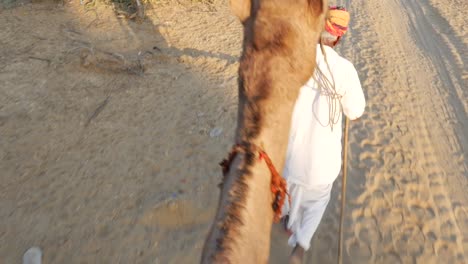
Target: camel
x=278 y=57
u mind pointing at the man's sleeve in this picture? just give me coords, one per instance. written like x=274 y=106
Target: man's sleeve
x=353 y=101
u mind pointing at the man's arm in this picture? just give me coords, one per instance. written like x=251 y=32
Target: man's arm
x=353 y=100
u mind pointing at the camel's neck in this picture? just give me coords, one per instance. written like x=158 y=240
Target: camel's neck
x=242 y=227
x=267 y=94
x=241 y=230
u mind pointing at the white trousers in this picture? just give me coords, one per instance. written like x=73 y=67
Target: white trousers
x=306 y=211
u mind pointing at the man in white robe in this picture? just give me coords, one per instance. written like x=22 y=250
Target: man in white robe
x=314 y=154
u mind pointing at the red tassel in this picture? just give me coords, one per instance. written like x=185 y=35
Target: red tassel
x=278 y=186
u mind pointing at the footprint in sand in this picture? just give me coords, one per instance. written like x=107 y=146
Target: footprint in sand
x=409 y=239
x=175 y=214
x=358 y=251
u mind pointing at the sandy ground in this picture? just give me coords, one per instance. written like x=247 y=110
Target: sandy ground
x=111 y=131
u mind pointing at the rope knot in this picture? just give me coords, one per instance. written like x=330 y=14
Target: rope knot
x=278 y=185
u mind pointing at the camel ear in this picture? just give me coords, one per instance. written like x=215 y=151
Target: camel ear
x=318 y=7
x=241 y=8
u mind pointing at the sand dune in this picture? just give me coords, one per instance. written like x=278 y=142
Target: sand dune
x=111 y=131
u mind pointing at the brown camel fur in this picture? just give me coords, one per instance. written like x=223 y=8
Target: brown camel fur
x=280 y=39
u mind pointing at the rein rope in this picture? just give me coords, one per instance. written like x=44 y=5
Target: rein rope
x=278 y=184
x=328 y=89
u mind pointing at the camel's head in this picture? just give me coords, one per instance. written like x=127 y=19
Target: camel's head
x=278 y=57
x=245 y=9
x=285 y=31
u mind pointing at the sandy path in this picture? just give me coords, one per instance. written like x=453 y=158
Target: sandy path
x=416 y=168
x=408 y=154
x=106 y=155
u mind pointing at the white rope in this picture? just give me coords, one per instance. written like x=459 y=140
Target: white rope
x=328 y=89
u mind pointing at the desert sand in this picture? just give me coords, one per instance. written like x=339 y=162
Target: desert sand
x=111 y=131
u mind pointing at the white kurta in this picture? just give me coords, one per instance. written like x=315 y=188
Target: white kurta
x=314 y=151
x=313 y=159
